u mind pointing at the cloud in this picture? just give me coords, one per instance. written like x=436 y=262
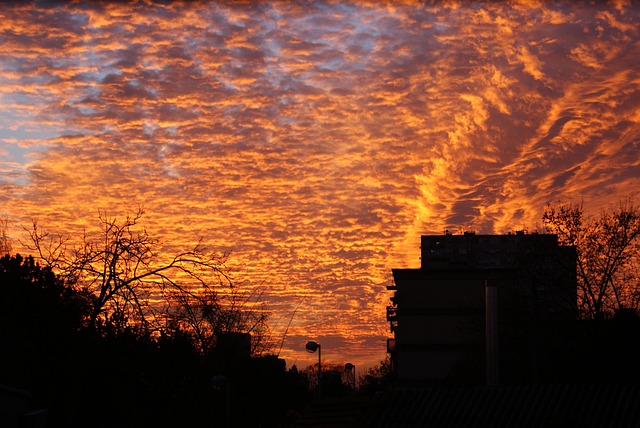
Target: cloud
x=316 y=141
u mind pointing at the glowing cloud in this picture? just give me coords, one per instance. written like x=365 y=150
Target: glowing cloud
x=316 y=141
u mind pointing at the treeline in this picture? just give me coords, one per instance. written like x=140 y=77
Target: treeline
x=106 y=376
x=110 y=332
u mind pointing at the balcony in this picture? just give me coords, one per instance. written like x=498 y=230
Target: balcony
x=391 y=346
x=392 y=313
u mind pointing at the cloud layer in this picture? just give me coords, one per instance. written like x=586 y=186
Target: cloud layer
x=316 y=140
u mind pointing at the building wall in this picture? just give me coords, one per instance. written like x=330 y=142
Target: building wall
x=438 y=310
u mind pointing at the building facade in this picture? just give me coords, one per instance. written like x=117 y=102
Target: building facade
x=481 y=309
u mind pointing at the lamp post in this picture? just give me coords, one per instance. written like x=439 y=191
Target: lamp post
x=312 y=347
x=350 y=368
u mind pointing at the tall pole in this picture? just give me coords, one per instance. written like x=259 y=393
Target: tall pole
x=355 y=379
x=491 y=332
x=313 y=347
x=319 y=371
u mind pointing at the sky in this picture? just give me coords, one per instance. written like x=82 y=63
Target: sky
x=315 y=140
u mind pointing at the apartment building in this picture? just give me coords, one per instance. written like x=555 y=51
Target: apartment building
x=481 y=309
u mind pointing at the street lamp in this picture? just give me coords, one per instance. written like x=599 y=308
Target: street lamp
x=313 y=347
x=350 y=368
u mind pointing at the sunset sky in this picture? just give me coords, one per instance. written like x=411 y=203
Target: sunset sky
x=316 y=141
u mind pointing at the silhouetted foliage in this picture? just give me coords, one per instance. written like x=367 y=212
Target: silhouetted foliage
x=121 y=271
x=124 y=376
x=111 y=332
x=40 y=322
x=208 y=315
x=39 y=317
x=608 y=249
x=378 y=378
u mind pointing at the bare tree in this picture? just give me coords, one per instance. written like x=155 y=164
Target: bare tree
x=206 y=315
x=607 y=255
x=124 y=276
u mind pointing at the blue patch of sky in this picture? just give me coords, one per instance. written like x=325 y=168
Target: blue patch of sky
x=142 y=85
x=149 y=128
x=273 y=71
x=16 y=153
x=19 y=156
x=22 y=133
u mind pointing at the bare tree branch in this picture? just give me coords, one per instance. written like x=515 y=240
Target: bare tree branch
x=607 y=249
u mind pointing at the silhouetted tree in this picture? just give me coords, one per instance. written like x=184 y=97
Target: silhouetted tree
x=607 y=250
x=123 y=271
x=34 y=300
x=207 y=315
x=40 y=324
x=124 y=377
x=378 y=378
x=334 y=381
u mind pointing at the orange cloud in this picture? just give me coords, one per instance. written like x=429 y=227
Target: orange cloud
x=316 y=141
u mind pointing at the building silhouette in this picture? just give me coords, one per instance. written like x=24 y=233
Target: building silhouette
x=482 y=309
x=487 y=334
